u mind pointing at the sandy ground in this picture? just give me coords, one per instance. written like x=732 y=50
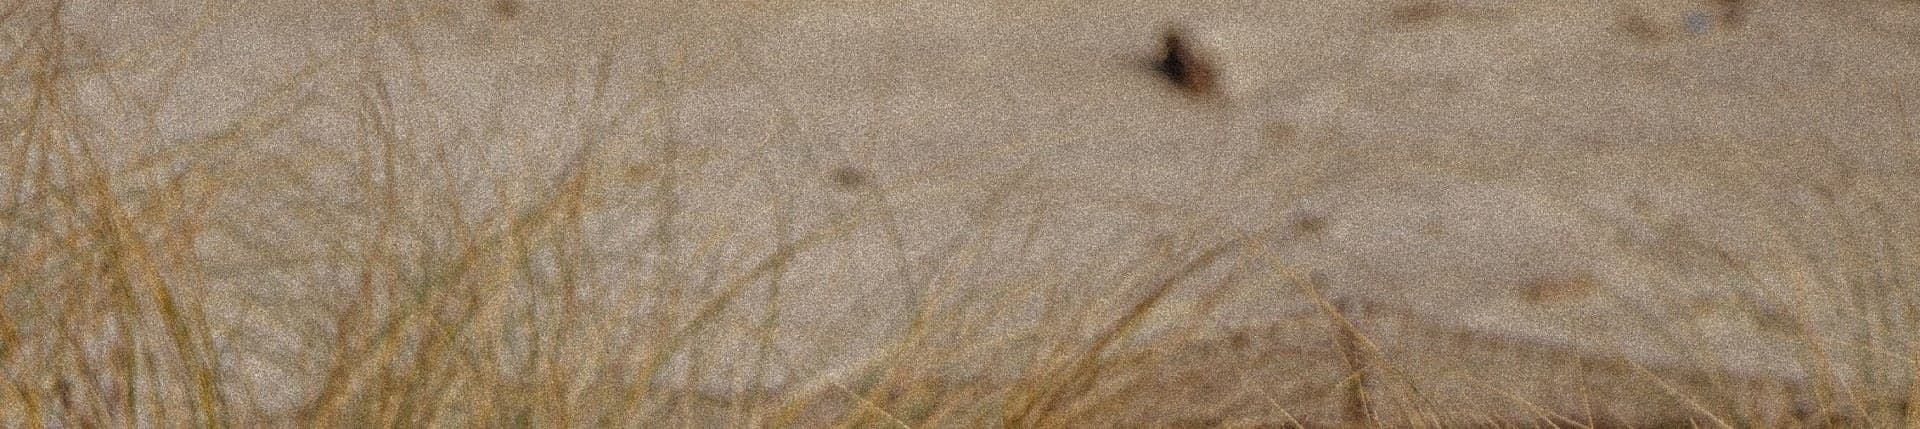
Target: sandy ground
x=1497 y=195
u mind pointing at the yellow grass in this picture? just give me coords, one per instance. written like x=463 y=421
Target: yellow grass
x=467 y=315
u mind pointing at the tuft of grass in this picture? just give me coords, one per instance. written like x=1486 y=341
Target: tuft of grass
x=382 y=280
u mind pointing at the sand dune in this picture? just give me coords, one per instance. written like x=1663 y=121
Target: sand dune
x=750 y=213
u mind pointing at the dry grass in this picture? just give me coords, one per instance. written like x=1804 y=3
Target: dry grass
x=440 y=312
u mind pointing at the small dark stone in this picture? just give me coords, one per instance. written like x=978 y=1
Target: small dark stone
x=1184 y=67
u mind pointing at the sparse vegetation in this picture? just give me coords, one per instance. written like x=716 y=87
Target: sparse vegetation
x=383 y=275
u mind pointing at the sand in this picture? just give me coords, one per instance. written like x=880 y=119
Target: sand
x=1684 y=209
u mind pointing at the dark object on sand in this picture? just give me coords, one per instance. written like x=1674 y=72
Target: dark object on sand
x=1184 y=67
